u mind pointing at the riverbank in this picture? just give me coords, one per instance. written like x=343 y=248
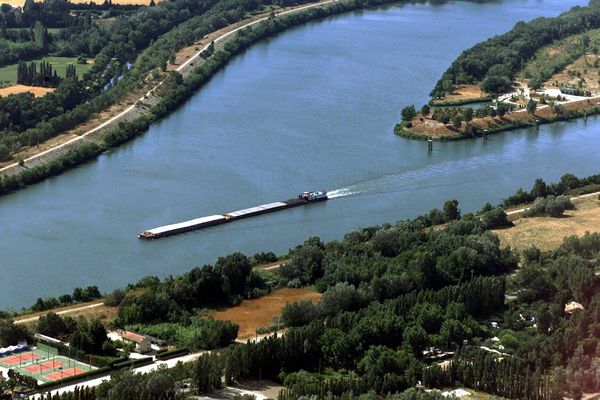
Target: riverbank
x=136 y=118
x=424 y=127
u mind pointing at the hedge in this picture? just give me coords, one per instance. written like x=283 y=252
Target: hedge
x=172 y=354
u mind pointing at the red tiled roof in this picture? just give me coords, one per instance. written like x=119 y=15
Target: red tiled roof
x=133 y=337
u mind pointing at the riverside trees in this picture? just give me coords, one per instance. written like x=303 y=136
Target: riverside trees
x=398 y=298
x=494 y=63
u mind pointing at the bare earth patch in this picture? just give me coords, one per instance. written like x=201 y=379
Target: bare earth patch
x=427 y=127
x=16 y=89
x=548 y=233
x=582 y=69
x=464 y=92
x=258 y=313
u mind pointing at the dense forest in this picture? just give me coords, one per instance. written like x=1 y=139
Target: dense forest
x=495 y=62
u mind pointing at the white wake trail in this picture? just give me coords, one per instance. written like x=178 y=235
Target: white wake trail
x=333 y=194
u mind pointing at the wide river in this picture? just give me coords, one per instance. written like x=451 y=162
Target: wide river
x=312 y=108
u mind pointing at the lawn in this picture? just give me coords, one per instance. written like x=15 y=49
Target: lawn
x=9 y=73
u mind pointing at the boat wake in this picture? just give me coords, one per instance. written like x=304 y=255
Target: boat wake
x=334 y=194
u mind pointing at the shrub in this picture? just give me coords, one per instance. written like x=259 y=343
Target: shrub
x=298 y=313
x=495 y=218
x=549 y=206
x=115 y=298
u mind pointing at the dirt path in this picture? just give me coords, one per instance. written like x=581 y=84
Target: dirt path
x=575 y=198
x=61 y=143
x=70 y=310
x=548 y=233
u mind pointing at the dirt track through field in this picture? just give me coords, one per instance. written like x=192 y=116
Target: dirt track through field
x=548 y=233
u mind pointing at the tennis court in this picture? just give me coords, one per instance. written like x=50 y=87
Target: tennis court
x=39 y=368
x=44 y=364
x=18 y=359
x=65 y=373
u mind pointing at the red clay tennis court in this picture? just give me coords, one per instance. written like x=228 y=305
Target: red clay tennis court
x=65 y=373
x=19 y=358
x=45 y=366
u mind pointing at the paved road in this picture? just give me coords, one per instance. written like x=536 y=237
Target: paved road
x=142 y=370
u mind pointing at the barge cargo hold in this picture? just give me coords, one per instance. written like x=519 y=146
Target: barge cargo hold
x=212 y=220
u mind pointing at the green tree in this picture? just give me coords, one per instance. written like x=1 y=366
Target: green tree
x=539 y=189
x=531 y=106
x=467 y=115
x=425 y=110
x=456 y=122
x=4 y=153
x=298 y=313
x=408 y=113
x=52 y=325
x=451 y=210
x=40 y=35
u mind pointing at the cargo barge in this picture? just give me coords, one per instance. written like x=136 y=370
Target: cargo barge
x=212 y=220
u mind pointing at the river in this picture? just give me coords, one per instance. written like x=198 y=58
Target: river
x=310 y=109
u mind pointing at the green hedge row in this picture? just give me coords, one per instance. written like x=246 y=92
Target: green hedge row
x=167 y=355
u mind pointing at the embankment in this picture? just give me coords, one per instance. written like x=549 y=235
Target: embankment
x=181 y=91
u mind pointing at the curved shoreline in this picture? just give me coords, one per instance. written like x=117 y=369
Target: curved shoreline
x=119 y=130
x=127 y=110
x=402 y=131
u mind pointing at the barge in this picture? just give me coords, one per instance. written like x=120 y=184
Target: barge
x=212 y=220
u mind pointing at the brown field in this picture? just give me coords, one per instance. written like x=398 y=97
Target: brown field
x=430 y=128
x=464 y=92
x=15 y=89
x=583 y=66
x=258 y=313
x=548 y=233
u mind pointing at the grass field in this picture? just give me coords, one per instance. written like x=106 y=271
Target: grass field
x=548 y=233
x=44 y=364
x=9 y=73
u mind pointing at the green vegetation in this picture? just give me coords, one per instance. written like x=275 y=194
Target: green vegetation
x=495 y=62
x=550 y=206
x=569 y=184
x=59 y=64
x=396 y=300
x=553 y=58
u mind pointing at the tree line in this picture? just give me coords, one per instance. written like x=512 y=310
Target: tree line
x=45 y=77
